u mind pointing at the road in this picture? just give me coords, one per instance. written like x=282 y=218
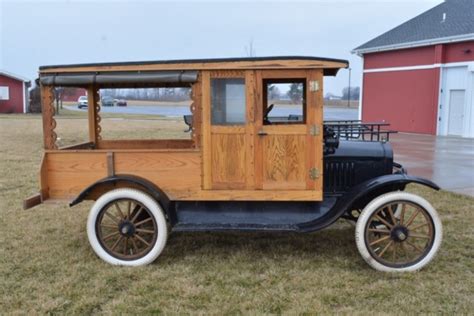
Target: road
x=330 y=113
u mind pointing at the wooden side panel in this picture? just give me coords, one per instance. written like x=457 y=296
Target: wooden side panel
x=177 y=173
x=228 y=161
x=172 y=172
x=71 y=172
x=285 y=162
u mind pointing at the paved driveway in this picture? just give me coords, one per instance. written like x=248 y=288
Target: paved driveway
x=448 y=161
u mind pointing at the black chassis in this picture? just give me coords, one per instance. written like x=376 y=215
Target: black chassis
x=354 y=174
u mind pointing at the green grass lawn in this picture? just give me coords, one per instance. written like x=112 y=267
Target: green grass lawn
x=47 y=265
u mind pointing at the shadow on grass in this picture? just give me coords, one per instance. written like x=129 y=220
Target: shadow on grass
x=337 y=243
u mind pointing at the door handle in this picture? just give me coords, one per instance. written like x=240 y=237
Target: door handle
x=262 y=133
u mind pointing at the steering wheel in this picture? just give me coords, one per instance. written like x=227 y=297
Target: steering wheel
x=265 y=116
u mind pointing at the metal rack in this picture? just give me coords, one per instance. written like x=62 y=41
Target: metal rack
x=357 y=130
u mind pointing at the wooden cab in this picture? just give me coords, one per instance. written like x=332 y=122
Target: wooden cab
x=244 y=146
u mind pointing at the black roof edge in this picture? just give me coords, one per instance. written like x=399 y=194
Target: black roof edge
x=190 y=61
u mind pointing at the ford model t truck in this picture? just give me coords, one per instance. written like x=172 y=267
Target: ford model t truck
x=245 y=167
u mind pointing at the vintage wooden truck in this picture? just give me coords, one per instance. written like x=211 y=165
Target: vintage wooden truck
x=243 y=168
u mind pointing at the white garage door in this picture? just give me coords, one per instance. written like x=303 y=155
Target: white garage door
x=456 y=103
x=456 y=112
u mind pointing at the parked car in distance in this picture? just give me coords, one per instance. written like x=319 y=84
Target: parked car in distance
x=107 y=101
x=82 y=102
x=120 y=102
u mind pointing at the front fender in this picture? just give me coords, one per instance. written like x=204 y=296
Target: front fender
x=370 y=189
x=361 y=194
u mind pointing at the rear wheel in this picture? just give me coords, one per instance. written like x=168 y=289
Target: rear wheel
x=398 y=231
x=127 y=227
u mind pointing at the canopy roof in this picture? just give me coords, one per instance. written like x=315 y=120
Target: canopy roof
x=330 y=65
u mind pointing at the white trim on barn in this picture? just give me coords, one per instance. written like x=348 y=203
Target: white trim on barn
x=17 y=77
x=361 y=93
x=419 y=67
x=24 y=96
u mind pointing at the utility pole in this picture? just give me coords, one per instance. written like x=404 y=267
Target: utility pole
x=349 y=91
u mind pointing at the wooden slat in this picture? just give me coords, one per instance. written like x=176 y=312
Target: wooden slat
x=145 y=144
x=242 y=65
x=49 y=123
x=249 y=195
x=291 y=129
x=311 y=120
x=110 y=164
x=43 y=177
x=227 y=74
x=196 y=109
x=32 y=201
x=249 y=128
x=92 y=112
x=317 y=142
x=258 y=152
x=206 y=131
x=228 y=129
x=284 y=74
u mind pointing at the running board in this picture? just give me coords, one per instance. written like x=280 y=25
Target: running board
x=248 y=216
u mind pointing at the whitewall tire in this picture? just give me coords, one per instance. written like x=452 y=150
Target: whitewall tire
x=127 y=227
x=398 y=232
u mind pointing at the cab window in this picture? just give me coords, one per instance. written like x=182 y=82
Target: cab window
x=284 y=101
x=228 y=101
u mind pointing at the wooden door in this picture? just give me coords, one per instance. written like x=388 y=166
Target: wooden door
x=226 y=155
x=288 y=139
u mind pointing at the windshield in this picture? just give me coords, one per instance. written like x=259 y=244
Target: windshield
x=83 y=98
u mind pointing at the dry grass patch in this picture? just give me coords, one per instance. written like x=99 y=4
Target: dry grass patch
x=47 y=266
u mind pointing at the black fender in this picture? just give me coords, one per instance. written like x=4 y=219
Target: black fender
x=363 y=193
x=143 y=184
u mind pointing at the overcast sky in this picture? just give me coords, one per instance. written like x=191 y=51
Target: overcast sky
x=34 y=33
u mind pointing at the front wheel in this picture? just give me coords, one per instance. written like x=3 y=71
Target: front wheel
x=398 y=232
x=127 y=227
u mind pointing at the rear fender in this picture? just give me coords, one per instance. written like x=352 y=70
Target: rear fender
x=93 y=191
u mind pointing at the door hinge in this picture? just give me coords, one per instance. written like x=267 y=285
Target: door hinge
x=314 y=86
x=314 y=130
x=314 y=173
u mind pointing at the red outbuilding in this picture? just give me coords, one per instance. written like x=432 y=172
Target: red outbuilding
x=419 y=76
x=13 y=93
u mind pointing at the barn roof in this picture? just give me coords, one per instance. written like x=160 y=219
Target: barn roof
x=11 y=75
x=450 y=21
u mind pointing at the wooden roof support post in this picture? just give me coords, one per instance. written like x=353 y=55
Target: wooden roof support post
x=49 y=123
x=93 y=114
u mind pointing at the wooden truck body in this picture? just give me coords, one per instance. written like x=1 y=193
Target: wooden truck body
x=241 y=169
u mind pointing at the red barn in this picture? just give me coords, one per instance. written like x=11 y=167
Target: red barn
x=419 y=76
x=73 y=94
x=13 y=93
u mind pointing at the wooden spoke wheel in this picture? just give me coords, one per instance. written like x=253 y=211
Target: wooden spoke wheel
x=398 y=232
x=127 y=227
